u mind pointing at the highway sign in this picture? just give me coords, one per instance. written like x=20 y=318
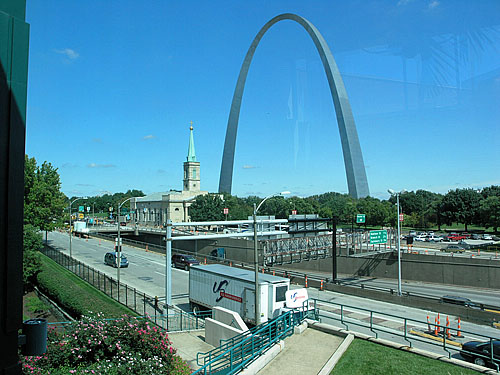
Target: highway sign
x=88 y=209
x=80 y=208
x=360 y=218
x=378 y=236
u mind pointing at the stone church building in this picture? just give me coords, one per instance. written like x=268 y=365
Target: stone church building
x=154 y=209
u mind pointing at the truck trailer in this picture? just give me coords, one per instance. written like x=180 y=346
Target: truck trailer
x=234 y=289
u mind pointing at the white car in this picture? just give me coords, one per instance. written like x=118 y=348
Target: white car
x=487 y=237
x=434 y=238
x=420 y=238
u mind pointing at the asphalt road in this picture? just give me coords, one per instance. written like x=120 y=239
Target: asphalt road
x=478 y=295
x=146 y=272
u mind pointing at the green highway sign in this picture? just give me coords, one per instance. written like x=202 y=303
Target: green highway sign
x=360 y=218
x=80 y=209
x=378 y=236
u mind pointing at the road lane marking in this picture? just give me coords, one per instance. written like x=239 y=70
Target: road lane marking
x=159 y=273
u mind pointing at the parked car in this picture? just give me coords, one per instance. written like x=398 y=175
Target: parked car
x=456 y=237
x=475 y=236
x=479 y=353
x=454 y=248
x=420 y=238
x=413 y=233
x=184 y=261
x=110 y=259
x=433 y=238
x=487 y=237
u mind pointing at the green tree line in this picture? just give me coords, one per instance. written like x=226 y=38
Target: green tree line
x=421 y=208
x=102 y=203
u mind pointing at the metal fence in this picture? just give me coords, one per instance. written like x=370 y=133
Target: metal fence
x=168 y=317
x=232 y=356
x=375 y=323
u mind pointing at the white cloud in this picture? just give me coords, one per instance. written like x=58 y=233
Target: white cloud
x=433 y=4
x=69 y=53
x=94 y=165
x=148 y=137
x=403 y=2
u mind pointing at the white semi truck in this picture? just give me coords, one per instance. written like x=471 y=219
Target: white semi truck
x=234 y=289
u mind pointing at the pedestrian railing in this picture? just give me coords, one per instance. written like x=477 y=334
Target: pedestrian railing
x=232 y=356
x=431 y=332
x=238 y=352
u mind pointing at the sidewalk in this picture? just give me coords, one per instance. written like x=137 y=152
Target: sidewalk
x=189 y=344
x=304 y=353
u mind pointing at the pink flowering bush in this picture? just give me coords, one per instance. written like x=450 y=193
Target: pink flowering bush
x=96 y=346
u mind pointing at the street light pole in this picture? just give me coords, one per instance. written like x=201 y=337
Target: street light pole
x=256 y=254
x=397 y=194
x=118 y=245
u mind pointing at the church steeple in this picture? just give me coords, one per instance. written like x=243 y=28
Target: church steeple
x=191 y=167
x=191 y=153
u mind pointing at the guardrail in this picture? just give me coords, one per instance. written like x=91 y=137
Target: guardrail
x=410 y=330
x=321 y=281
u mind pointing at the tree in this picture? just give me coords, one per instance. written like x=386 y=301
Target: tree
x=32 y=242
x=43 y=200
x=207 y=208
x=489 y=212
x=460 y=205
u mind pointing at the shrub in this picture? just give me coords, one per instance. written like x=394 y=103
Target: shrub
x=96 y=346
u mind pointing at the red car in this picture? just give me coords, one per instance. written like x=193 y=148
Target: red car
x=456 y=237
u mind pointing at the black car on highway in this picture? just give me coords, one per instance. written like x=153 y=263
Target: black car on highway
x=479 y=352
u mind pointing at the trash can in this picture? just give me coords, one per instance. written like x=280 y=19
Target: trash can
x=35 y=331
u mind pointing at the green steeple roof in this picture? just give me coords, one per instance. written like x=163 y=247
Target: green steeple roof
x=191 y=153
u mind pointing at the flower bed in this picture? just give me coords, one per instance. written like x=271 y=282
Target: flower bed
x=96 y=346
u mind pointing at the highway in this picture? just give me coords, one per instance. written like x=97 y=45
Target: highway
x=478 y=295
x=146 y=272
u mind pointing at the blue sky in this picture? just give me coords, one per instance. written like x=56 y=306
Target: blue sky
x=113 y=86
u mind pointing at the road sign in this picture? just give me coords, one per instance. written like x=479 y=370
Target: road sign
x=80 y=208
x=378 y=236
x=401 y=217
x=360 y=218
x=226 y=211
x=80 y=216
x=294 y=212
x=88 y=209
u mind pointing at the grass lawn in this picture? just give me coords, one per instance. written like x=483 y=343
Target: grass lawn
x=75 y=295
x=364 y=357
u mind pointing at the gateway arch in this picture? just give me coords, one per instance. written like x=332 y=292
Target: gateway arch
x=353 y=158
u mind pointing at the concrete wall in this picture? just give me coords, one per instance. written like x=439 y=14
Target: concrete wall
x=225 y=325
x=475 y=272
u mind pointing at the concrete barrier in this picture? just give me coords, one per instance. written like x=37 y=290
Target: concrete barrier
x=216 y=331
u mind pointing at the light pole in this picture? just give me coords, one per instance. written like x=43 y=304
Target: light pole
x=397 y=194
x=256 y=255
x=70 y=229
x=119 y=245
